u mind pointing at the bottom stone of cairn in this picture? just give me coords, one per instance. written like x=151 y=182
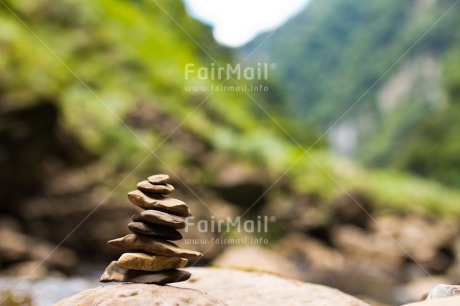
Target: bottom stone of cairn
x=116 y=273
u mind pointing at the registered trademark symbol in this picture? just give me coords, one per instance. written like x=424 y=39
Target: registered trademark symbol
x=273 y=66
x=273 y=219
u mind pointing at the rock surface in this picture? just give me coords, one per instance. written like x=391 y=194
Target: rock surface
x=214 y=286
x=260 y=289
x=140 y=295
x=145 y=262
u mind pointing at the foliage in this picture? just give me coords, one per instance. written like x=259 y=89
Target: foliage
x=101 y=62
x=336 y=57
x=433 y=150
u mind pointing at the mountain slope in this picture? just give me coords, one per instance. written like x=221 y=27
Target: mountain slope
x=379 y=62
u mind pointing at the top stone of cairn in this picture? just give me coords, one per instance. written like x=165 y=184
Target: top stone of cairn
x=158 y=179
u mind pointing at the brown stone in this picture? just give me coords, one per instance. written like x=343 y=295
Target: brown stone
x=159 y=202
x=140 y=295
x=147 y=187
x=160 y=218
x=116 y=273
x=158 y=179
x=154 y=230
x=145 y=262
x=133 y=242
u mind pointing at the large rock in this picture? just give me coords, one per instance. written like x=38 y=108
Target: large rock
x=237 y=288
x=139 y=295
x=214 y=286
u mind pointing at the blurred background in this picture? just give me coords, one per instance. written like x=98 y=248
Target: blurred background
x=354 y=148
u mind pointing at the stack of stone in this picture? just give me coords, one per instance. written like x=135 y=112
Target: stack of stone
x=152 y=258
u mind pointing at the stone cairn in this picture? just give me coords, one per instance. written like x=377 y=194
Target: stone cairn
x=152 y=259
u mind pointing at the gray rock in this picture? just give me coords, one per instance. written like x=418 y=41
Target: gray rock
x=442 y=290
x=116 y=273
x=160 y=218
x=140 y=295
x=158 y=179
x=147 y=187
x=159 y=202
x=154 y=230
x=133 y=242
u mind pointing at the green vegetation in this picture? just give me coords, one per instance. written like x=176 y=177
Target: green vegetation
x=380 y=60
x=99 y=61
x=433 y=148
x=114 y=70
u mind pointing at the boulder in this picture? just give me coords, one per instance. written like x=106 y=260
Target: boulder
x=215 y=286
x=237 y=288
x=139 y=295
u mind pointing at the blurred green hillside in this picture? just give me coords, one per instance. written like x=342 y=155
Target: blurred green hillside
x=104 y=66
x=103 y=84
x=389 y=67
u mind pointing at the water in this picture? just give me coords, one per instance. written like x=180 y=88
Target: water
x=44 y=292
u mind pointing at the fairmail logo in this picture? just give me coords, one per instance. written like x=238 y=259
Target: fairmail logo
x=213 y=225
x=229 y=71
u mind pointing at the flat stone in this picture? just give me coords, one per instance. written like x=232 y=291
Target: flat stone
x=159 y=202
x=154 y=230
x=160 y=218
x=145 y=262
x=158 y=179
x=133 y=242
x=146 y=186
x=116 y=273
